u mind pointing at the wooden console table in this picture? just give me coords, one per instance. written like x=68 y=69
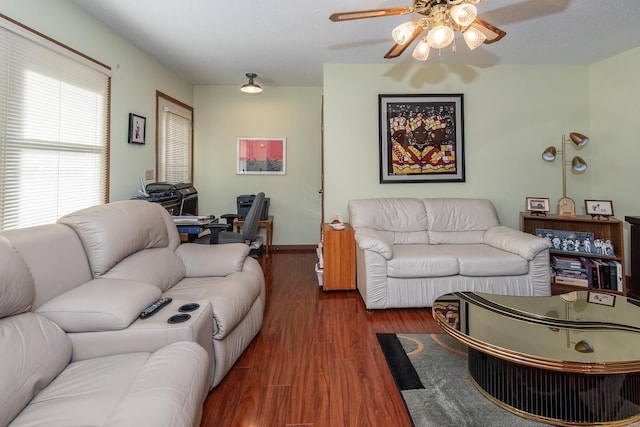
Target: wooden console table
x=263 y=223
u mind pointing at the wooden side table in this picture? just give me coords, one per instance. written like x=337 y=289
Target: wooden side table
x=339 y=252
x=263 y=223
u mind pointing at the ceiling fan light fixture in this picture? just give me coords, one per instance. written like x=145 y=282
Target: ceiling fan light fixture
x=473 y=37
x=464 y=14
x=403 y=32
x=421 y=51
x=251 y=87
x=440 y=36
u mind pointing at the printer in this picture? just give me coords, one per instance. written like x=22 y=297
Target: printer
x=180 y=199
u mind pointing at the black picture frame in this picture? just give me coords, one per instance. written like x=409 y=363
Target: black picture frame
x=137 y=129
x=421 y=138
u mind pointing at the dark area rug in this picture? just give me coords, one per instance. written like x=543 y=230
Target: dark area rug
x=431 y=373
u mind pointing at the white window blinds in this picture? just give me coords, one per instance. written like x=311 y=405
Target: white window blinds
x=54 y=107
x=175 y=147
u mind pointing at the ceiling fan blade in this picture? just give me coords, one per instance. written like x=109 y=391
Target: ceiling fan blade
x=493 y=33
x=397 y=49
x=373 y=13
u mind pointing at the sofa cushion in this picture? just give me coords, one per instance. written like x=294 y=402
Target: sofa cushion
x=164 y=388
x=100 y=305
x=449 y=219
x=16 y=284
x=484 y=260
x=402 y=220
x=116 y=230
x=421 y=261
x=159 y=266
x=34 y=351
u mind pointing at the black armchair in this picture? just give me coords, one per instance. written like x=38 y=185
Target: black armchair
x=223 y=233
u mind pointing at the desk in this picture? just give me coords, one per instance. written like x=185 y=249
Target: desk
x=263 y=223
x=190 y=227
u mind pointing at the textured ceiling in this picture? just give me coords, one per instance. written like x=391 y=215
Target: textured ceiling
x=286 y=42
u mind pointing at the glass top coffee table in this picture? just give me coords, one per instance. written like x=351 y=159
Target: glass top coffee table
x=571 y=359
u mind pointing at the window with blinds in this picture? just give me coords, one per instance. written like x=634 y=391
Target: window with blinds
x=54 y=137
x=175 y=141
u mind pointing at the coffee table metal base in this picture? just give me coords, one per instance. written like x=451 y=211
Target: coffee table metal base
x=555 y=397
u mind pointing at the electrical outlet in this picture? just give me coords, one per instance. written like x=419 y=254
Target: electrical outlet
x=148 y=174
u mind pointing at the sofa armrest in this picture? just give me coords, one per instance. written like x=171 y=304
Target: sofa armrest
x=368 y=239
x=524 y=244
x=212 y=260
x=100 y=305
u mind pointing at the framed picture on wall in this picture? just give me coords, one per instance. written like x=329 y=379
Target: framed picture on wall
x=261 y=156
x=421 y=138
x=137 y=129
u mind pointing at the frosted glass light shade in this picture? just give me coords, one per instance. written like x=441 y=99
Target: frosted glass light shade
x=403 y=32
x=473 y=38
x=440 y=36
x=464 y=14
x=421 y=51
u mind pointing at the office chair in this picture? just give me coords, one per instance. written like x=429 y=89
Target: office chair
x=223 y=233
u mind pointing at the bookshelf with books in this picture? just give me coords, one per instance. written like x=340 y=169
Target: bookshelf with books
x=585 y=253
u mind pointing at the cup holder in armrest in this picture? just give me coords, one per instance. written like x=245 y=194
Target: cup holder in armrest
x=179 y=318
x=189 y=307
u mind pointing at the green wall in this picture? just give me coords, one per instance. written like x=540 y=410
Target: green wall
x=511 y=114
x=222 y=114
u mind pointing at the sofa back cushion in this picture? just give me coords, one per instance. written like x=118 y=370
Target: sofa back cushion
x=399 y=220
x=112 y=232
x=33 y=350
x=459 y=221
x=55 y=257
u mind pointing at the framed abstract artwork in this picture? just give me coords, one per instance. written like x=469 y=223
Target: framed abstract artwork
x=421 y=138
x=261 y=156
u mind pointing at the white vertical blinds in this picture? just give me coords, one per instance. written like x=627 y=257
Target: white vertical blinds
x=175 y=147
x=53 y=132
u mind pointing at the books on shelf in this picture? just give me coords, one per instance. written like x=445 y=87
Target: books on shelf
x=586 y=272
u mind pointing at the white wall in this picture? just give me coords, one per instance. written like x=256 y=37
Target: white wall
x=511 y=114
x=222 y=114
x=135 y=78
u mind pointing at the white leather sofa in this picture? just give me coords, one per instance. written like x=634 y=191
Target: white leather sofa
x=40 y=385
x=95 y=270
x=409 y=251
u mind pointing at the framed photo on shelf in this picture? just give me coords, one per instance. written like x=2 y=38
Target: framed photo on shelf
x=421 y=138
x=261 y=156
x=598 y=208
x=602 y=298
x=137 y=129
x=538 y=205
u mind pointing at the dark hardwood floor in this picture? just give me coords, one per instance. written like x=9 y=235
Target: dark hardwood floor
x=316 y=360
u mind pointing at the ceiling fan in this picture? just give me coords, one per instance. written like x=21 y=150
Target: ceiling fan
x=440 y=17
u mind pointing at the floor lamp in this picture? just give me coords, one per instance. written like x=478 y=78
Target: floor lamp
x=566 y=205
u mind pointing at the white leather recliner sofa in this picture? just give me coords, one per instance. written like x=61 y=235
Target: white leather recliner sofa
x=410 y=251
x=96 y=269
x=40 y=385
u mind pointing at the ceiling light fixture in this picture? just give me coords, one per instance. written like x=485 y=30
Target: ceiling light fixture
x=442 y=18
x=251 y=87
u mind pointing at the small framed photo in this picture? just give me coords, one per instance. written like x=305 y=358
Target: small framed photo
x=598 y=208
x=601 y=298
x=137 y=129
x=538 y=205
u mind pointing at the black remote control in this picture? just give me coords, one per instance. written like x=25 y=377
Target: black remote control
x=153 y=308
